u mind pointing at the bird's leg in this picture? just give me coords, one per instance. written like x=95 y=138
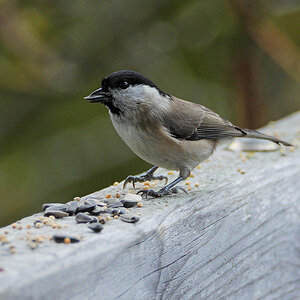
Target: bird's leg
x=168 y=189
x=144 y=177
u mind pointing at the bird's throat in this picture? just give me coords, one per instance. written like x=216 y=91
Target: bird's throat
x=112 y=108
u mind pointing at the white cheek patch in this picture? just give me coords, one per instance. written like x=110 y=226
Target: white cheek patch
x=133 y=93
x=142 y=93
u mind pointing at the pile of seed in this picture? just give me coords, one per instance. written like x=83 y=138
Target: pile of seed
x=94 y=212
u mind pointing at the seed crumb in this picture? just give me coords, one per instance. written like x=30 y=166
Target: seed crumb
x=170 y=173
x=14 y=225
x=4 y=239
x=38 y=225
x=196 y=185
x=116 y=217
x=188 y=183
x=147 y=183
x=140 y=204
x=67 y=240
x=118 y=195
x=77 y=199
x=189 y=188
x=198 y=167
x=12 y=249
x=20 y=227
x=28 y=226
x=101 y=219
x=116 y=183
x=51 y=217
x=108 y=196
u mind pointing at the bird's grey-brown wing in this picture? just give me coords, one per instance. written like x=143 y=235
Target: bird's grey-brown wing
x=191 y=121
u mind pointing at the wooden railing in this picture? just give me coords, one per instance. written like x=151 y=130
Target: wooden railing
x=235 y=235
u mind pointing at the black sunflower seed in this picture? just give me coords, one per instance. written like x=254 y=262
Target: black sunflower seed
x=84 y=218
x=46 y=205
x=61 y=238
x=72 y=207
x=96 y=227
x=85 y=208
x=129 y=219
x=55 y=213
x=129 y=203
x=115 y=204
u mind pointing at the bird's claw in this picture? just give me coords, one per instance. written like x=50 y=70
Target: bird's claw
x=162 y=192
x=143 y=178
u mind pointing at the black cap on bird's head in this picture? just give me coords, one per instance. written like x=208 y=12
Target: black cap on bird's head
x=119 y=80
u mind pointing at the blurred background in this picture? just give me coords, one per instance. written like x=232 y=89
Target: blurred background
x=239 y=58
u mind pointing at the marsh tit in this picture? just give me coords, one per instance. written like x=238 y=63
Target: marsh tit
x=163 y=130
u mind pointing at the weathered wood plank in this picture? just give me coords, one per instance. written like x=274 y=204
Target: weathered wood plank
x=236 y=236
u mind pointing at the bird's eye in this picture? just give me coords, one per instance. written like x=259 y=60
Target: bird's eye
x=123 y=84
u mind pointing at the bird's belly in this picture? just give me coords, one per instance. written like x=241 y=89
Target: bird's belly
x=147 y=146
x=161 y=151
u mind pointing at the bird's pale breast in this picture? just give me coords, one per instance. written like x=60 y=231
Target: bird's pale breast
x=157 y=147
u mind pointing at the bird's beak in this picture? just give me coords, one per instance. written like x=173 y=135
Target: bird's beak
x=98 y=96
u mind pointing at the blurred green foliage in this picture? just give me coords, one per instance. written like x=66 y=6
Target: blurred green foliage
x=228 y=55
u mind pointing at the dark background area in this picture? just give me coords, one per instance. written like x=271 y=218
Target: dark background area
x=239 y=58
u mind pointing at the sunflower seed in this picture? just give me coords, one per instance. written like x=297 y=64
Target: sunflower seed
x=55 y=213
x=61 y=238
x=129 y=219
x=97 y=211
x=85 y=208
x=122 y=210
x=90 y=202
x=72 y=207
x=115 y=204
x=96 y=227
x=108 y=210
x=46 y=205
x=84 y=218
x=129 y=203
x=59 y=207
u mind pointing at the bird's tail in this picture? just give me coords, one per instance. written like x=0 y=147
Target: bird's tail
x=258 y=135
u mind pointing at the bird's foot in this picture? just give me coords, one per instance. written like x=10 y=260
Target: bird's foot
x=142 y=178
x=162 y=192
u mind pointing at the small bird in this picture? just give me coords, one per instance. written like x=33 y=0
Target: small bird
x=162 y=129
